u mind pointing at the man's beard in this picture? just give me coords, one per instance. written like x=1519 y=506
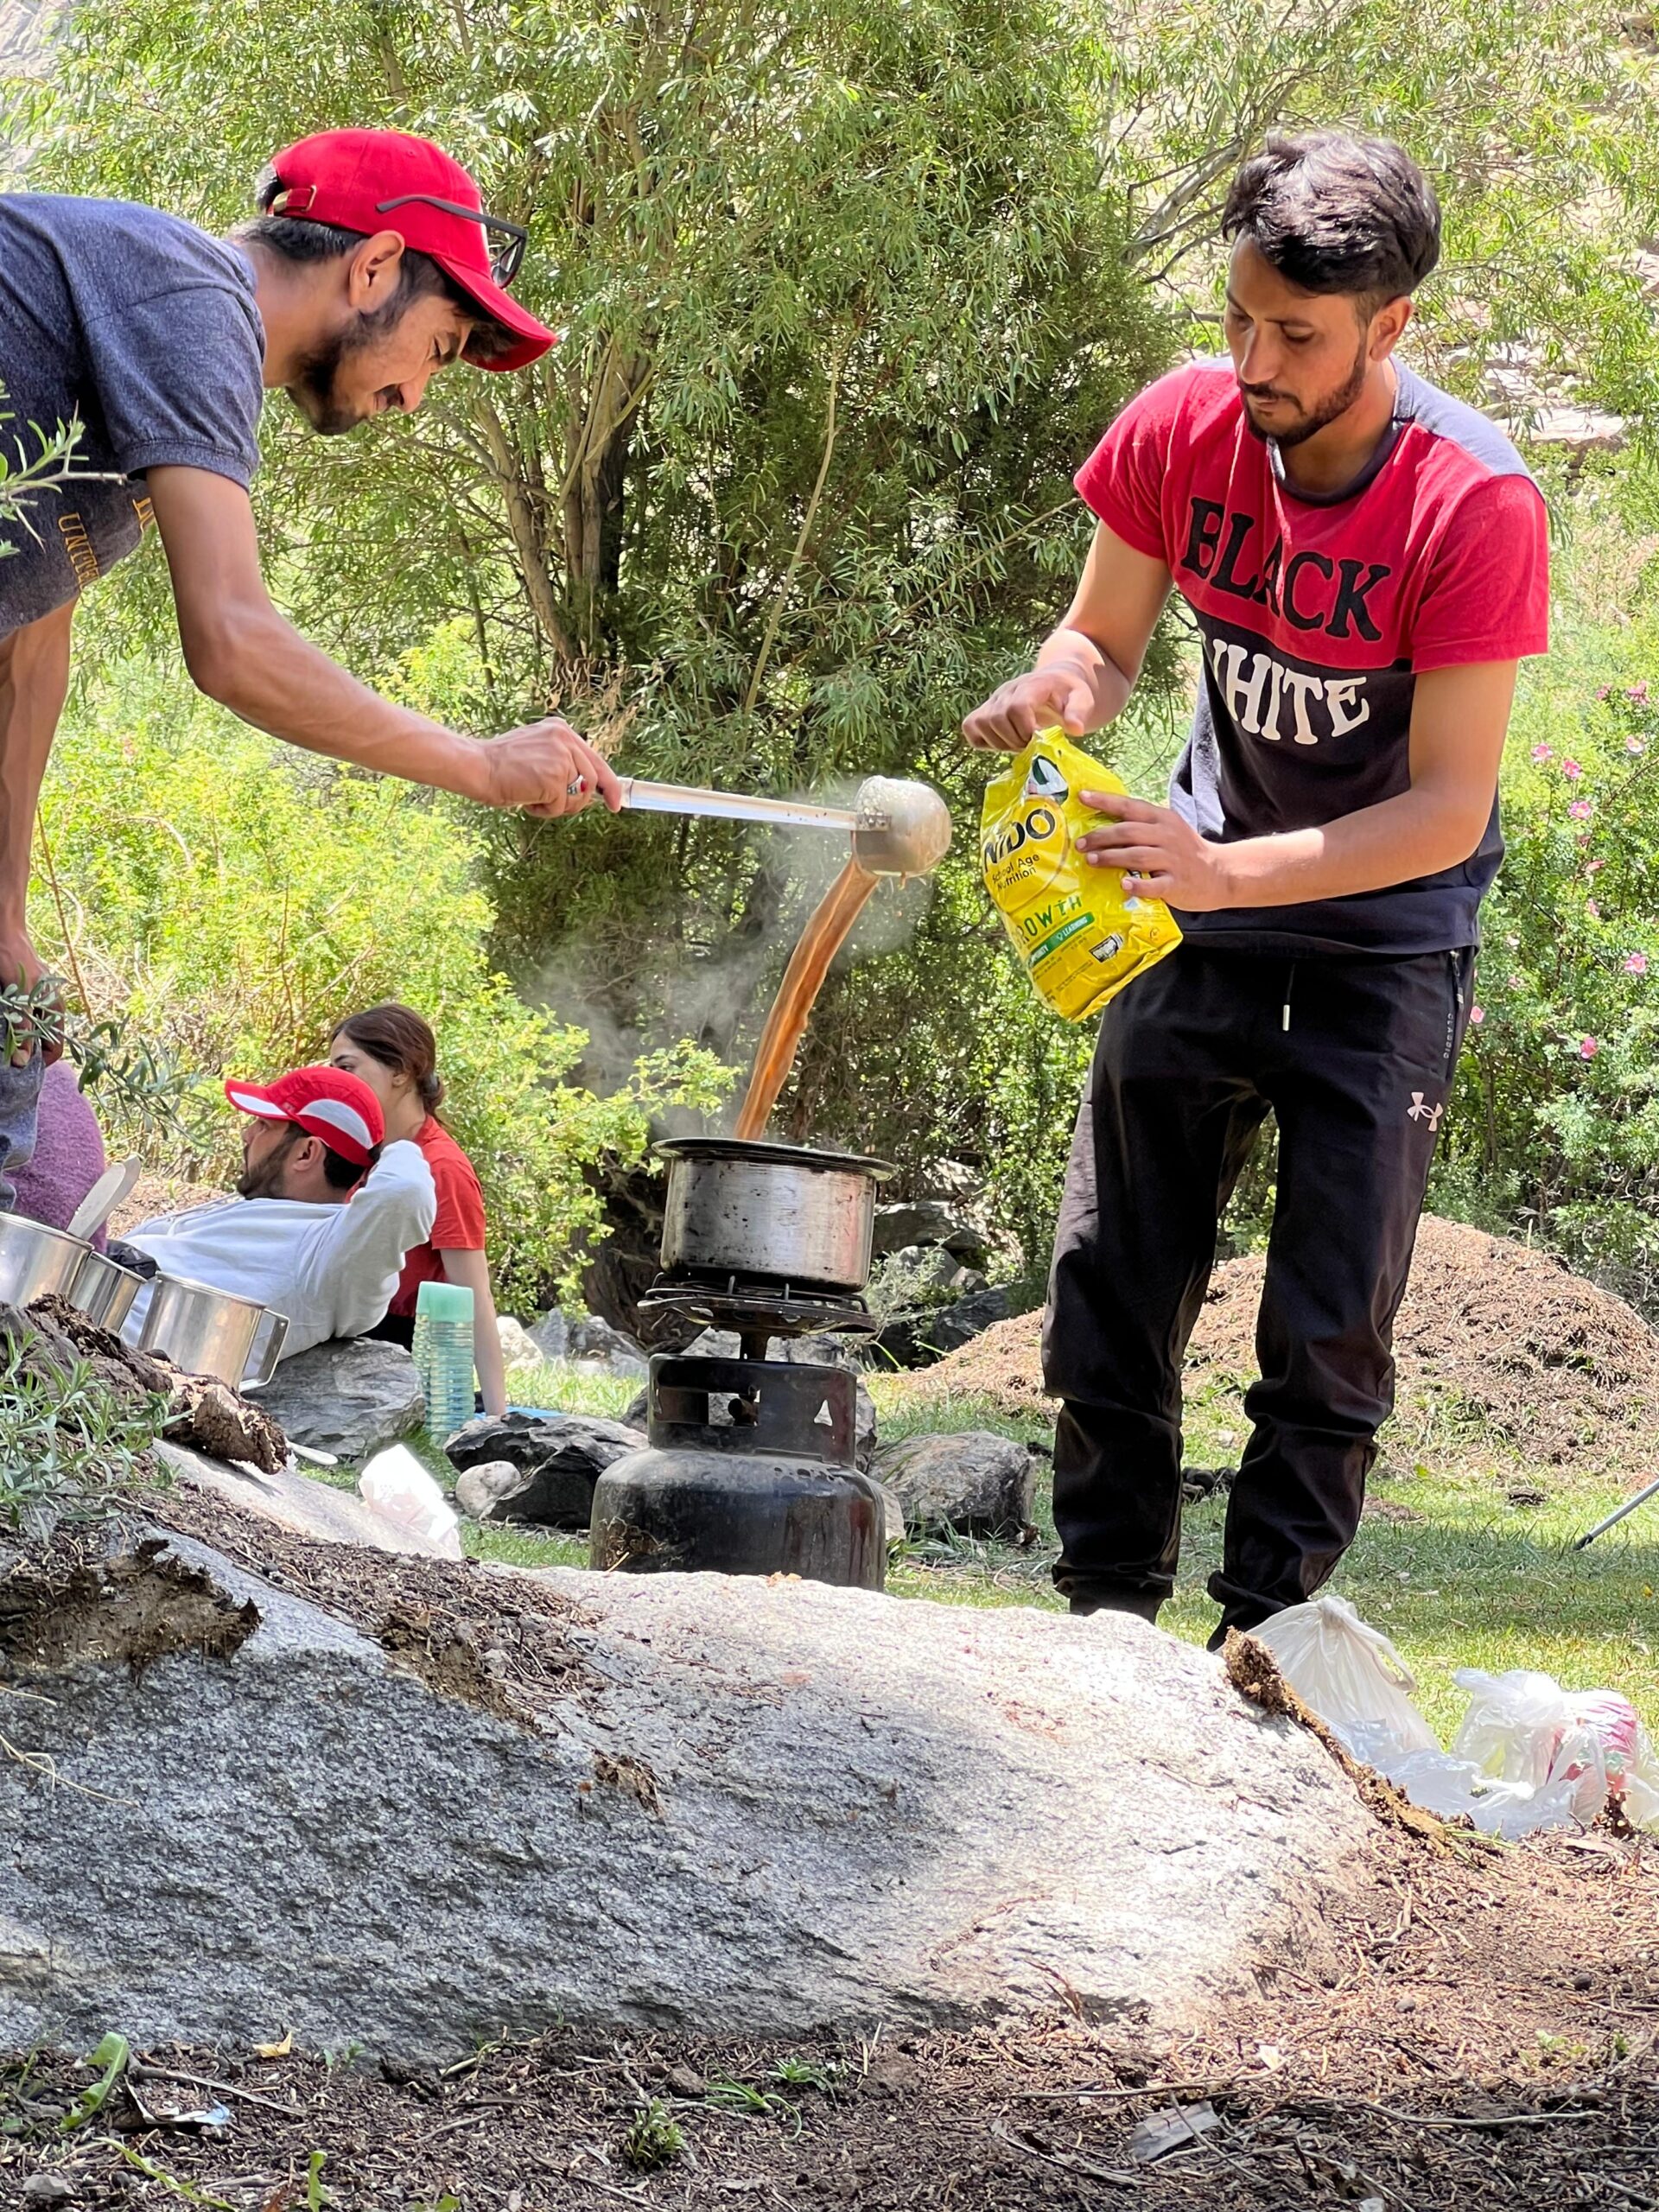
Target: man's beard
x=313 y=391
x=1315 y=419
x=263 y=1181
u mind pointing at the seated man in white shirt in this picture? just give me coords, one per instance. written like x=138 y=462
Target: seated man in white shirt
x=323 y=1214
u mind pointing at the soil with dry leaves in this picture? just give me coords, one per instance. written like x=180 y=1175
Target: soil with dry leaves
x=1487 y=2041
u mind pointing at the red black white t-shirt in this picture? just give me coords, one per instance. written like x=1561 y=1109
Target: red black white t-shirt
x=1316 y=615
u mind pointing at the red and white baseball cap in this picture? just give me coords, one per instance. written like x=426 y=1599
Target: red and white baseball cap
x=371 y=180
x=327 y=1103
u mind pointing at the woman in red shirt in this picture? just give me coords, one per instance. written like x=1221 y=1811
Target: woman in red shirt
x=397 y=1055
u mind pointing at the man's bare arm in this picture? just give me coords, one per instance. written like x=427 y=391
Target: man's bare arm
x=242 y=652
x=1458 y=720
x=1087 y=668
x=33 y=684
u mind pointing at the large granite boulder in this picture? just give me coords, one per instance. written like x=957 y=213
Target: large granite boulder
x=349 y=1396
x=461 y=1799
x=974 y=1482
x=559 y=1457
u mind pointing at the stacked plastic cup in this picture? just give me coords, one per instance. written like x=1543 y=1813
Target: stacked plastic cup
x=444 y=1355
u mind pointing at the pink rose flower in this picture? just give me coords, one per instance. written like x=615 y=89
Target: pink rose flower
x=1588 y=1048
x=1592 y=867
x=1603 y=689
x=1637 y=964
x=1542 y=752
x=1581 y=809
x=1477 y=1014
x=1638 y=692
x=1571 y=771
x=1594 y=910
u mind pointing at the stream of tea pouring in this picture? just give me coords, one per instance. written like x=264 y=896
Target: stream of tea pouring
x=898 y=828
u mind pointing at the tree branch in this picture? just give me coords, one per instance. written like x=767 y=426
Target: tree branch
x=776 y=617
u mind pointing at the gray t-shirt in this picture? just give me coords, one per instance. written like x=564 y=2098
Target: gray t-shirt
x=144 y=330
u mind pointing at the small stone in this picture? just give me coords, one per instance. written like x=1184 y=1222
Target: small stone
x=685 y=2082
x=1583 y=1981
x=495 y=1661
x=482 y=1493
x=48 y=2188
x=518 y=1348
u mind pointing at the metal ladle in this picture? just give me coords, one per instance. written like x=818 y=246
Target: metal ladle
x=897 y=828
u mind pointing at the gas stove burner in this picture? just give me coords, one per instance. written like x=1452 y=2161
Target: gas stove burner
x=755 y=1306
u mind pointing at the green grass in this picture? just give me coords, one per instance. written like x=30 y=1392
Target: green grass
x=1448 y=1567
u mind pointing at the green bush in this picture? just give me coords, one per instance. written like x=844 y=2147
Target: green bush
x=236 y=899
x=1554 y=1122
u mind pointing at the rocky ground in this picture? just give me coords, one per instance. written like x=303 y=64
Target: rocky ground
x=1485 y=2038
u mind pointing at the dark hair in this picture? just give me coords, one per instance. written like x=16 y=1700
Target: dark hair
x=339 y=1173
x=396 y=1037
x=1336 y=213
x=419 y=277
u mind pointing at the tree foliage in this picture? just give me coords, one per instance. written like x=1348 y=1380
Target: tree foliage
x=848 y=292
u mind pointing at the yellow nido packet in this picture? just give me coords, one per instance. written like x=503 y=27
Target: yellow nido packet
x=1080 y=937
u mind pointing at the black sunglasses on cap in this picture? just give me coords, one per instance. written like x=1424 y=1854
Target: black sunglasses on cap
x=506 y=260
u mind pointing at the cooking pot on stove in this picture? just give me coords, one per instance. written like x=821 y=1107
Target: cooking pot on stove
x=777 y=1212
x=35 y=1260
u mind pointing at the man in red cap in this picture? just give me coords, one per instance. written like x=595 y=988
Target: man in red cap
x=372 y=265
x=324 y=1213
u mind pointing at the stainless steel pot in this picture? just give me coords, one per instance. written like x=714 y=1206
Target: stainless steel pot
x=208 y=1332
x=35 y=1260
x=104 y=1292
x=780 y=1211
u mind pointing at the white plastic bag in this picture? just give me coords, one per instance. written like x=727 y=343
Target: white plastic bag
x=1352 y=1676
x=1529 y=1756
x=397 y=1487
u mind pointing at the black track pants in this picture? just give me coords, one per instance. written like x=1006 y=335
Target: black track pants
x=1355 y=1057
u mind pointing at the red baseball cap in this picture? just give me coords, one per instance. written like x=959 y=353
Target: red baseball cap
x=371 y=180
x=326 y=1102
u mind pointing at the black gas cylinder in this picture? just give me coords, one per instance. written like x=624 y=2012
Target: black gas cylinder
x=751 y=1469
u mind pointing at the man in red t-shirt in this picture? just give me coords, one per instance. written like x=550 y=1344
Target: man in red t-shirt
x=1365 y=559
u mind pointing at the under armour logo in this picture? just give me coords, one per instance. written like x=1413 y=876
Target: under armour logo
x=1419 y=1110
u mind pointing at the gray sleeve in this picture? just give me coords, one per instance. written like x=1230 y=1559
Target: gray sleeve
x=178 y=378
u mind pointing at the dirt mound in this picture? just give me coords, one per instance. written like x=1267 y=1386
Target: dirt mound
x=1494 y=1339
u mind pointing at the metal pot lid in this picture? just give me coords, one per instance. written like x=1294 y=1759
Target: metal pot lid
x=775 y=1155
